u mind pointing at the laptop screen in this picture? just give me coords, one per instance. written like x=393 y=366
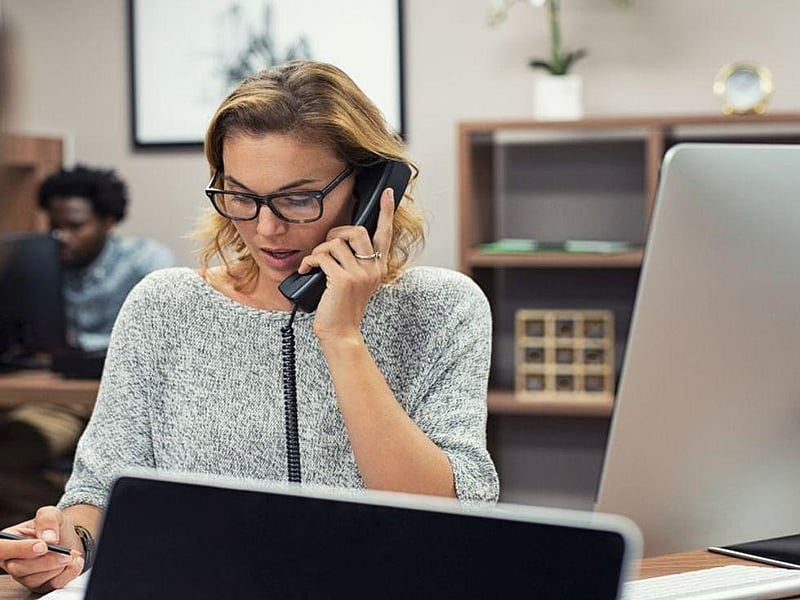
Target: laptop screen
x=165 y=538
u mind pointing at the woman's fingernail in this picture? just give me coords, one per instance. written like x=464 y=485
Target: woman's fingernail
x=79 y=562
x=64 y=559
x=391 y=193
x=40 y=547
x=48 y=535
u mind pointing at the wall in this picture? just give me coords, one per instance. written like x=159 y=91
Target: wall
x=658 y=56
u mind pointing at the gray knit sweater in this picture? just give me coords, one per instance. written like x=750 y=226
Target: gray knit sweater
x=192 y=383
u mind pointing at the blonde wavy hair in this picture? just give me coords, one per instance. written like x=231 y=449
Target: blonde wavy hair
x=319 y=104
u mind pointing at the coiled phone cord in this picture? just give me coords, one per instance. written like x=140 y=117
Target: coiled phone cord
x=290 y=400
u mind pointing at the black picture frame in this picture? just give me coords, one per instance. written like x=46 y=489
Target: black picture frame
x=181 y=64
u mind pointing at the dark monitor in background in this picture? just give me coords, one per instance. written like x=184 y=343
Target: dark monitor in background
x=32 y=323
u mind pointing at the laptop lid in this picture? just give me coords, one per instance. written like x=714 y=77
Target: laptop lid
x=178 y=537
x=705 y=438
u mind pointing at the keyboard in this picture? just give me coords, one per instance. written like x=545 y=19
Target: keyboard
x=733 y=582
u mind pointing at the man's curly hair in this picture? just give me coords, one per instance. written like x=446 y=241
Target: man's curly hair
x=107 y=193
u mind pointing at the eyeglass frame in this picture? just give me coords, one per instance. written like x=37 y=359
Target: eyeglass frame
x=266 y=200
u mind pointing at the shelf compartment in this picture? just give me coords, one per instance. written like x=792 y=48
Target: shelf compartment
x=579 y=289
x=569 y=191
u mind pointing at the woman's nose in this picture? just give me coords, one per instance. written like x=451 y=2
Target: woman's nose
x=267 y=223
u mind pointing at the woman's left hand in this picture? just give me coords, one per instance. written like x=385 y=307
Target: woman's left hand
x=351 y=281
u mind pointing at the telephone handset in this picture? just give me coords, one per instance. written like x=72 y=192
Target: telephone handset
x=306 y=290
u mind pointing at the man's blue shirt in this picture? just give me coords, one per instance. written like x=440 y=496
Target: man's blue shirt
x=93 y=295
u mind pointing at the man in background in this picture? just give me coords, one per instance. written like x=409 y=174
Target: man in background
x=84 y=206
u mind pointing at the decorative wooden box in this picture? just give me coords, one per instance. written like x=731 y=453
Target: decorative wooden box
x=565 y=355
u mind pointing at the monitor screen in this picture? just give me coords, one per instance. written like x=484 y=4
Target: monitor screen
x=32 y=323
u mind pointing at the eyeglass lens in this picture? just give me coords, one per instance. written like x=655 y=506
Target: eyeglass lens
x=295 y=207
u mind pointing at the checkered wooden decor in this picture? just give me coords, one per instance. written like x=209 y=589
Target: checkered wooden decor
x=565 y=355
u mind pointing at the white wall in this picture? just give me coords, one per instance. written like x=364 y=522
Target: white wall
x=660 y=56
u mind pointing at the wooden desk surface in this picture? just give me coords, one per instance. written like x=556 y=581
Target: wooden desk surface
x=683 y=562
x=650 y=567
x=11 y=590
x=45 y=386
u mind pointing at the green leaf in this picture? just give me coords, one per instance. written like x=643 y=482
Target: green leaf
x=559 y=65
x=542 y=64
x=571 y=57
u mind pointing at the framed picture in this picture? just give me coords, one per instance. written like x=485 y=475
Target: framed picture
x=186 y=55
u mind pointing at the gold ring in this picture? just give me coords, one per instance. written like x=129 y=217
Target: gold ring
x=374 y=256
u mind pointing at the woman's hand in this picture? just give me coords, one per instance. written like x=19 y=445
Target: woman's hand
x=351 y=280
x=30 y=562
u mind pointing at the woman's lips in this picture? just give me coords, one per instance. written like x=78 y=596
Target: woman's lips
x=281 y=259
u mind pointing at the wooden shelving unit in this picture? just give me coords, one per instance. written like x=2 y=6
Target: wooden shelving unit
x=593 y=179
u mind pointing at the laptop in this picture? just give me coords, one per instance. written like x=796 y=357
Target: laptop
x=705 y=439
x=183 y=537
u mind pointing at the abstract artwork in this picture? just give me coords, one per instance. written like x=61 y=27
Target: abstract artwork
x=186 y=55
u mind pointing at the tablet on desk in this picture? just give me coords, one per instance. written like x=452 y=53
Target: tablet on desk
x=780 y=551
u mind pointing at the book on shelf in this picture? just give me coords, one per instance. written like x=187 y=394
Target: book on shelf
x=523 y=246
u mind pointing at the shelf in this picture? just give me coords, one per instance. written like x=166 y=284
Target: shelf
x=591 y=179
x=25 y=161
x=554 y=260
x=490 y=127
x=31 y=152
x=504 y=402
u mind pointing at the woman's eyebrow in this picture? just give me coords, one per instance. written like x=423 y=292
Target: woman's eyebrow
x=288 y=186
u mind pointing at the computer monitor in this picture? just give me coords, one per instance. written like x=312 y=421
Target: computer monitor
x=705 y=438
x=31 y=304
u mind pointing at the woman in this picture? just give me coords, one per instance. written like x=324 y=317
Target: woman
x=391 y=367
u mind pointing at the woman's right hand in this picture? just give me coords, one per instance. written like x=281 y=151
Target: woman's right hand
x=30 y=563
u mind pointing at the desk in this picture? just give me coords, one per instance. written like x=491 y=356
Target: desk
x=683 y=562
x=650 y=567
x=45 y=386
x=11 y=590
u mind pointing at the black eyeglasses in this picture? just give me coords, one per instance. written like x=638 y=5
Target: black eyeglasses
x=293 y=207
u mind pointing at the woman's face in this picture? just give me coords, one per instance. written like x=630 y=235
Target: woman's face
x=270 y=163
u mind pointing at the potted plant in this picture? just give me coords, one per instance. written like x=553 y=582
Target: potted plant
x=557 y=94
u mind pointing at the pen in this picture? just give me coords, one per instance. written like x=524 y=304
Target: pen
x=52 y=547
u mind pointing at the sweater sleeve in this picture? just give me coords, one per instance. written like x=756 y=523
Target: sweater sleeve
x=118 y=434
x=452 y=410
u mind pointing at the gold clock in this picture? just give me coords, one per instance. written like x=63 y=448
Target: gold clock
x=743 y=88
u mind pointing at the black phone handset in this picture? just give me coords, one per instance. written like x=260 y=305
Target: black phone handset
x=305 y=291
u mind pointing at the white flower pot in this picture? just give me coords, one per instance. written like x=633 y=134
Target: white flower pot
x=557 y=97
